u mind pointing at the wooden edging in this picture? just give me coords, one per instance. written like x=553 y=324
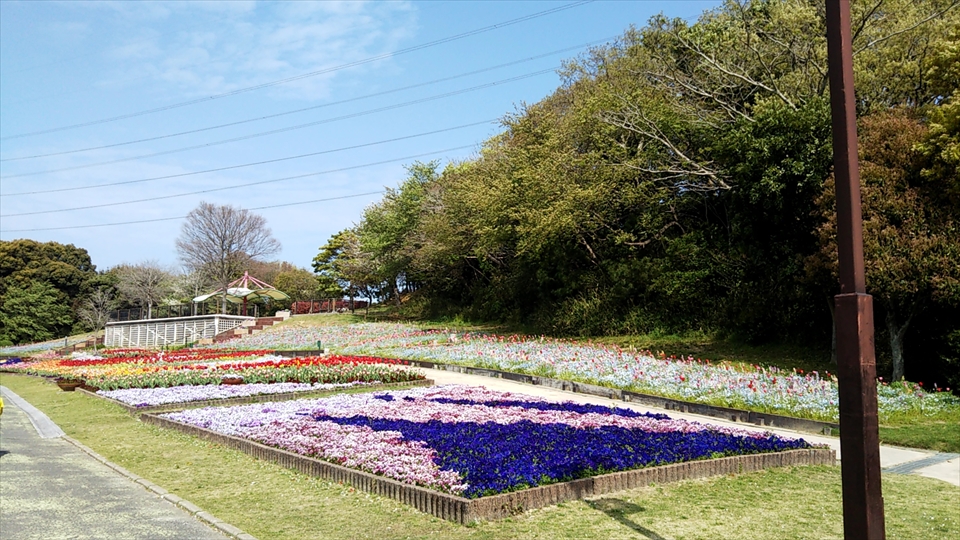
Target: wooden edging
x=726 y=413
x=464 y=511
x=259 y=398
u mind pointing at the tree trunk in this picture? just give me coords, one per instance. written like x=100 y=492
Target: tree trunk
x=396 y=293
x=897 y=332
x=149 y=310
x=831 y=302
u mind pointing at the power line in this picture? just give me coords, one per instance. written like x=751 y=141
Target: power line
x=331 y=104
x=307 y=75
x=286 y=129
x=288 y=158
x=236 y=186
x=184 y=217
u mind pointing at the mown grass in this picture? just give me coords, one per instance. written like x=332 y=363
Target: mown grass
x=274 y=503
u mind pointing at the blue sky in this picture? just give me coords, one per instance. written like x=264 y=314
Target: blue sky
x=113 y=113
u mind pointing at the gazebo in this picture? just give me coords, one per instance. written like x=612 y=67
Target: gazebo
x=243 y=289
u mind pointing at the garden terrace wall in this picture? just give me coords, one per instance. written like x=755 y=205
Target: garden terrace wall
x=726 y=413
x=464 y=511
x=259 y=398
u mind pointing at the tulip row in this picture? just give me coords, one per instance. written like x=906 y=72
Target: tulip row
x=139 y=371
x=788 y=392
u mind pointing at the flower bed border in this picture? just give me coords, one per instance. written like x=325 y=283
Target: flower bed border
x=464 y=511
x=259 y=398
x=715 y=411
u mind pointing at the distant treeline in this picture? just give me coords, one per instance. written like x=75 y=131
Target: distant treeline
x=680 y=179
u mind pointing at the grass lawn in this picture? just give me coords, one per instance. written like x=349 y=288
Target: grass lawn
x=273 y=503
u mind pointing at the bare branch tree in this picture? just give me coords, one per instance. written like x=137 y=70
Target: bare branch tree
x=146 y=284
x=94 y=312
x=218 y=240
x=188 y=285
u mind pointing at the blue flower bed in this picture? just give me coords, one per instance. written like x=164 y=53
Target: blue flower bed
x=496 y=458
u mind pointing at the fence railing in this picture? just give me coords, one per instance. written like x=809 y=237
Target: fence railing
x=179 y=310
x=169 y=331
x=303 y=307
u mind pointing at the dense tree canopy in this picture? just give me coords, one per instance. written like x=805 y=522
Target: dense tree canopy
x=47 y=279
x=679 y=179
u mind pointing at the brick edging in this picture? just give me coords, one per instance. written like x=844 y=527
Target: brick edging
x=183 y=504
x=714 y=411
x=464 y=511
x=247 y=400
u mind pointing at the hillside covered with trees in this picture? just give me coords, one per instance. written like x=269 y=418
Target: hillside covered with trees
x=680 y=179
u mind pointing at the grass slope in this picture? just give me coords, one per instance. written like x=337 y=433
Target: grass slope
x=273 y=503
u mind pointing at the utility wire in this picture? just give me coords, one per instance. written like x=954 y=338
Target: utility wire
x=236 y=186
x=288 y=158
x=330 y=104
x=307 y=75
x=289 y=128
x=184 y=217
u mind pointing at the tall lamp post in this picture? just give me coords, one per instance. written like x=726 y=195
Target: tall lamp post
x=857 y=369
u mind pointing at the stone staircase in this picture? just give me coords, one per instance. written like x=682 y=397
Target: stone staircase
x=253 y=327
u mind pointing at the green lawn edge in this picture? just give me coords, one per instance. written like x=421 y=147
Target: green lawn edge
x=270 y=502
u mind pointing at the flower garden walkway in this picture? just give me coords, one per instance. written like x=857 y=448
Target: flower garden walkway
x=894 y=460
x=53 y=489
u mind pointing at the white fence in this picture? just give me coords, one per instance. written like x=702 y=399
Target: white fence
x=172 y=331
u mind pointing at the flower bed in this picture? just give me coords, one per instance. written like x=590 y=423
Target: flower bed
x=474 y=442
x=205 y=367
x=152 y=397
x=770 y=390
x=345 y=338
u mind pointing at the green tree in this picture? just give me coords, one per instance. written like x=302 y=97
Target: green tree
x=66 y=267
x=34 y=313
x=299 y=284
x=388 y=231
x=911 y=243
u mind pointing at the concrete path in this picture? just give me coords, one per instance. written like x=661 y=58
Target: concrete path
x=51 y=489
x=893 y=460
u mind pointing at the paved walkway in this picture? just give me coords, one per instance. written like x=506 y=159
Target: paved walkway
x=893 y=460
x=51 y=489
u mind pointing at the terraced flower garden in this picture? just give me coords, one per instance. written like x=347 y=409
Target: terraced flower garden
x=143 y=378
x=788 y=392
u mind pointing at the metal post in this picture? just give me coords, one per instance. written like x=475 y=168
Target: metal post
x=859 y=430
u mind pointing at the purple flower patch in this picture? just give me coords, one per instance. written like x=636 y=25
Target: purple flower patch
x=475 y=442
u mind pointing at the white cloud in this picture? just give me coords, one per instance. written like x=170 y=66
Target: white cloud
x=247 y=45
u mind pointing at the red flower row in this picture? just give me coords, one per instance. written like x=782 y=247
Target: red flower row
x=145 y=357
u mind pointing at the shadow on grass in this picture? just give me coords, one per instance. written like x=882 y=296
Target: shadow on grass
x=618 y=509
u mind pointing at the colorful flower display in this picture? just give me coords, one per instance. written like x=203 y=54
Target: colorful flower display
x=791 y=393
x=475 y=442
x=150 y=397
x=345 y=338
x=205 y=367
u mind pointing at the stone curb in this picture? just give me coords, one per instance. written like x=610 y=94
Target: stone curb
x=183 y=504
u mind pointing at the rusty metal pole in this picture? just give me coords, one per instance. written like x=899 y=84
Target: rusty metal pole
x=857 y=369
